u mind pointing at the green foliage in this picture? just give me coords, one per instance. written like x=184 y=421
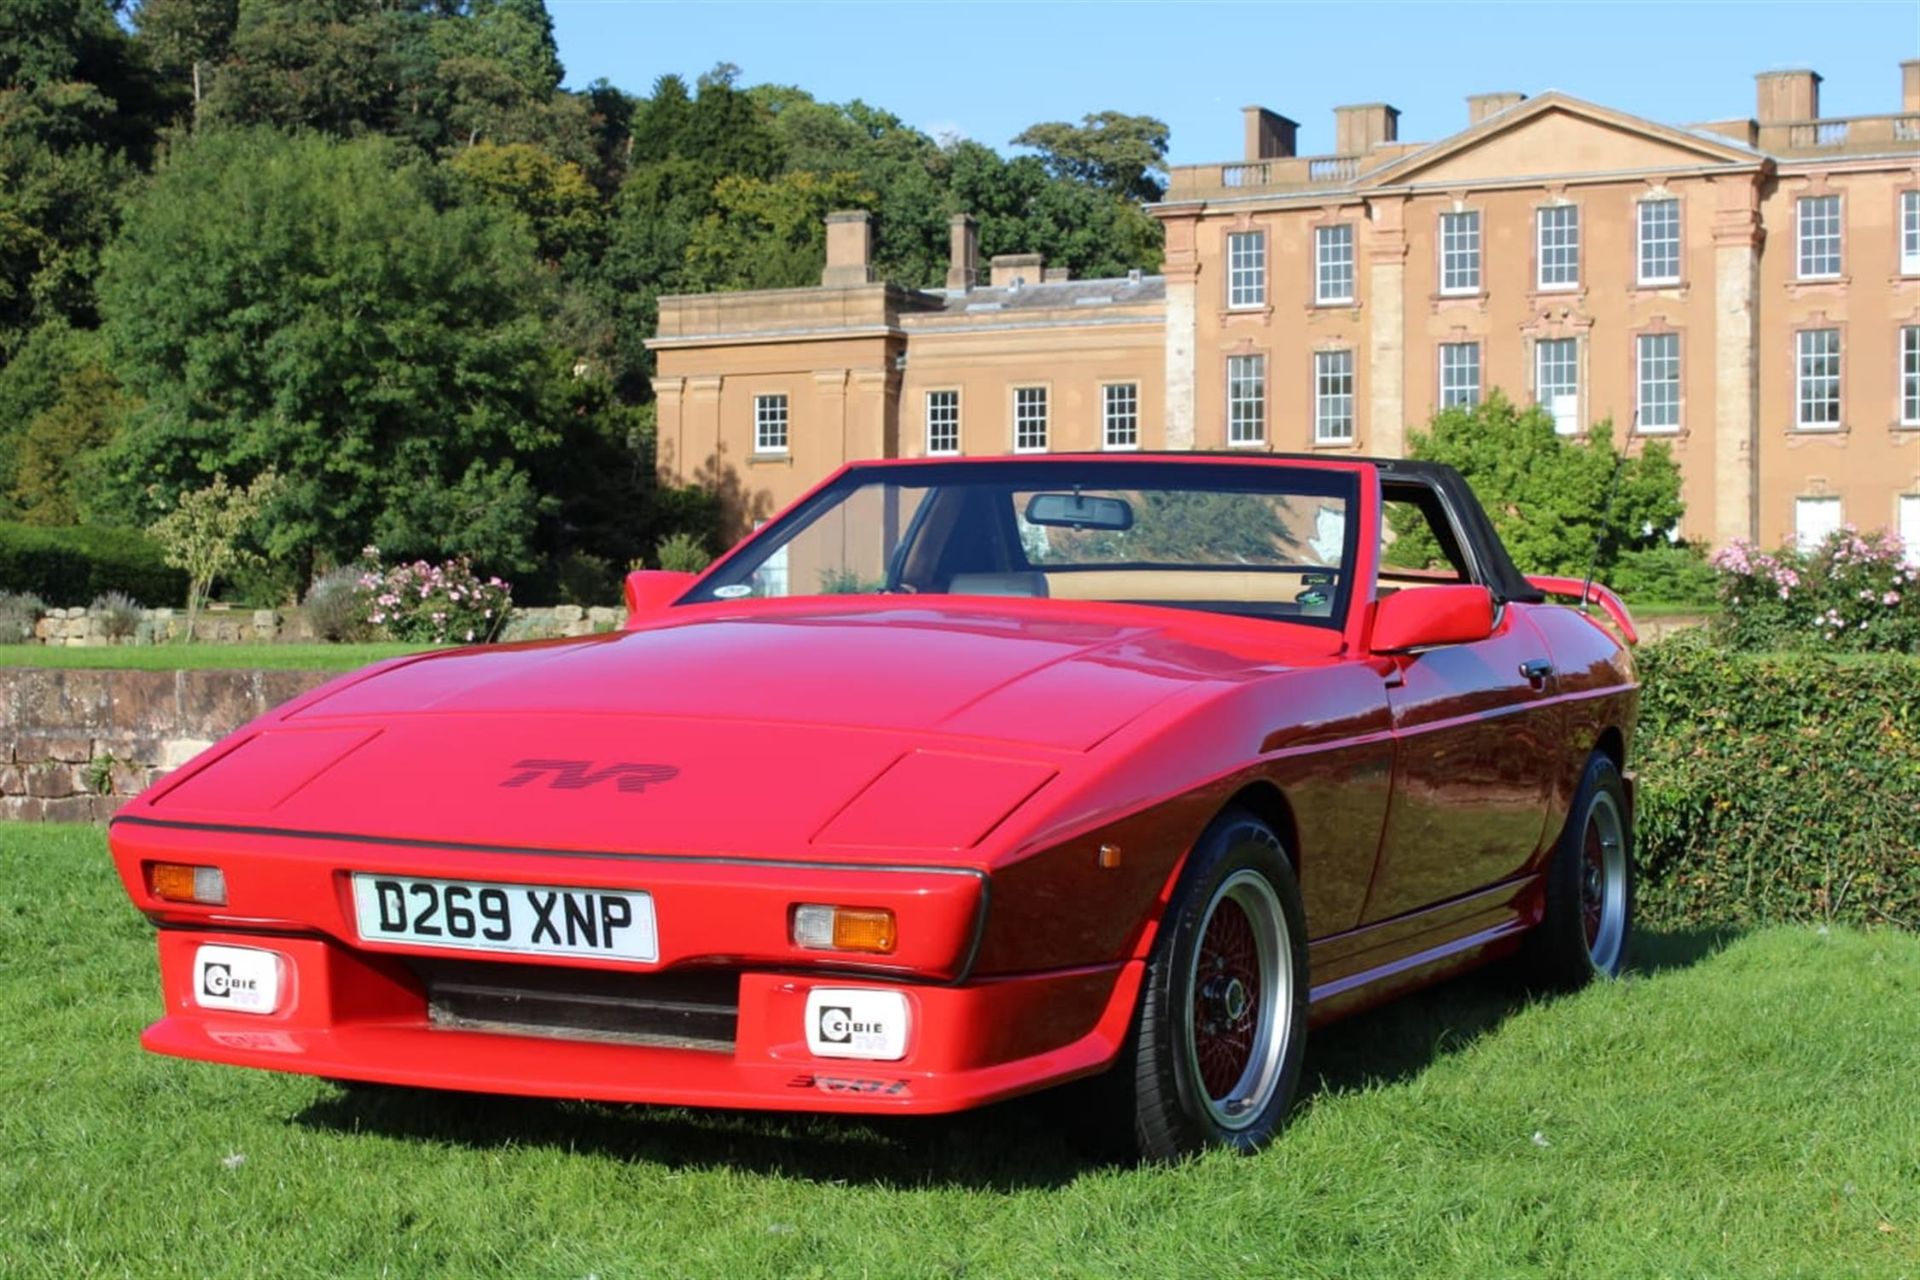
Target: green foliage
x=19 y=611
x=1124 y=154
x=682 y=553
x=1777 y=787
x=1547 y=494
x=62 y=450
x=552 y=197
x=68 y=567
x=1666 y=573
x=336 y=607
x=768 y=234
x=337 y=324
x=1854 y=593
x=586 y=580
x=118 y=613
x=210 y=530
x=59 y=182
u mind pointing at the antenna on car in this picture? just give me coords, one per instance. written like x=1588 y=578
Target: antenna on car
x=1606 y=509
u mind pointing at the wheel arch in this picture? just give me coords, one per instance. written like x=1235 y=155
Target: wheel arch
x=1613 y=745
x=1268 y=803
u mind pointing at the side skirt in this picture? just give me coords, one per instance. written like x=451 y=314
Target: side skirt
x=1365 y=967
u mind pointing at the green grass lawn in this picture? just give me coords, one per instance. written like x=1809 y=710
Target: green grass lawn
x=1742 y=1107
x=173 y=657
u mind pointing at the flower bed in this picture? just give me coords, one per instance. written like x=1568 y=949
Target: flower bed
x=1854 y=592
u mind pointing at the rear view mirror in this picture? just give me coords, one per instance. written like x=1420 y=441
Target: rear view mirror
x=1079 y=511
x=1418 y=617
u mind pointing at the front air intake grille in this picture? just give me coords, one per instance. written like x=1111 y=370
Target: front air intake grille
x=695 y=1010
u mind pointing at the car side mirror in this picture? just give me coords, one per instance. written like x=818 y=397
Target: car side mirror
x=1417 y=617
x=651 y=590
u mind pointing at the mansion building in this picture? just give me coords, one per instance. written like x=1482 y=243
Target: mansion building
x=1746 y=290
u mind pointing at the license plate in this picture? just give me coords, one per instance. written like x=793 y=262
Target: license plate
x=526 y=919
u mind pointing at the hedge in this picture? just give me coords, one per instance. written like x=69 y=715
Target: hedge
x=70 y=566
x=1778 y=786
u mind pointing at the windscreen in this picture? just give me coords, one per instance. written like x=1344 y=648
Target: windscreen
x=1262 y=540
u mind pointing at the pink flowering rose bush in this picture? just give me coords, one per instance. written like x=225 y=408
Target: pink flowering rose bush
x=1853 y=592
x=422 y=603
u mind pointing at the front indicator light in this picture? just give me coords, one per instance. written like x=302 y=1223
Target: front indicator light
x=818 y=927
x=178 y=882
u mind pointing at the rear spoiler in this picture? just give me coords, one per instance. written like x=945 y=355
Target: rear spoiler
x=1586 y=593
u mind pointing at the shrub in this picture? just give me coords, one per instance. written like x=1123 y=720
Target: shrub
x=586 y=579
x=1852 y=593
x=683 y=553
x=1672 y=574
x=1778 y=786
x=207 y=530
x=19 y=610
x=336 y=606
x=70 y=566
x=119 y=614
x=421 y=603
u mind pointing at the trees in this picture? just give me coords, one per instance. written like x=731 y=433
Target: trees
x=1123 y=154
x=1547 y=494
x=389 y=257
x=341 y=325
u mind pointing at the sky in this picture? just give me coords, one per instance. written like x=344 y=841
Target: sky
x=987 y=70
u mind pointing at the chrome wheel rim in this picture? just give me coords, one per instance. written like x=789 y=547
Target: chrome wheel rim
x=1603 y=883
x=1240 y=998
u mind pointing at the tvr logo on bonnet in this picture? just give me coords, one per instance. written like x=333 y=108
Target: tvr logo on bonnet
x=578 y=775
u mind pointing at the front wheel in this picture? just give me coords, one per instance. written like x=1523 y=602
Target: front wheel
x=1216 y=1051
x=1584 y=931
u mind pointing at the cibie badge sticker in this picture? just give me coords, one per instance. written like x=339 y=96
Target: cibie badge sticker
x=856 y=1023
x=243 y=979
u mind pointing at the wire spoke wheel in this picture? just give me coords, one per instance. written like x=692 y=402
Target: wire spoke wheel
x=1603 y=882
x=1240 y=987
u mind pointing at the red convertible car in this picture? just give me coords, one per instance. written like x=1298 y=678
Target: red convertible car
x=958 y=780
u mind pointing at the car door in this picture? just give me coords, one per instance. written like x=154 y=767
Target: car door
x=1474 y=729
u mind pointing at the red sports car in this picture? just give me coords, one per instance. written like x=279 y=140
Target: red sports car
x=957 y=780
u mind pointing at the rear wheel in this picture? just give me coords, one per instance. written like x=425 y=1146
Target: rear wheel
x=1589 y=910
x=1216 y=1051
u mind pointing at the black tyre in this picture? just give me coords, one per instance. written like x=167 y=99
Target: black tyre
x=1217 y=1044
x=1589 y=909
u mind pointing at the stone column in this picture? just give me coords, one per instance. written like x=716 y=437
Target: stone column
x=827 y=430
x=869 y=418
x=700 y=445
x=1182 y=272
x=1385 y=430
x=1736 y=338
x=669 y=448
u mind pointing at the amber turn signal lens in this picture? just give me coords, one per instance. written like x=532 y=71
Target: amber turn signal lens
x=177 y=882
x=824 y=928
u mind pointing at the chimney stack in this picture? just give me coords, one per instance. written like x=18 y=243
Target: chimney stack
x=849 y=249
x=1910 y=86
x=1482 y=105
x=1010 y=270
x=963 y=253
x=1269 y=135
x=1360 y=128
x=1783 y=97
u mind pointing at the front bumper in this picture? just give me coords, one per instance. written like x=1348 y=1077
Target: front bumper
x=358 y=1015
x=359 y=1009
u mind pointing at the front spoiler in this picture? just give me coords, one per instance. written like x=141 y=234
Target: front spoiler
x=351 y=1015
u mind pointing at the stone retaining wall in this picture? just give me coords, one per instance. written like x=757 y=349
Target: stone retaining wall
x=81 y=626
x=77 y=744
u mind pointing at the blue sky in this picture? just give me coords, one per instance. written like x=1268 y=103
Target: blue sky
x=987 y=70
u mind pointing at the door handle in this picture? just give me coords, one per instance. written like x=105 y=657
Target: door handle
x=1536 y=670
